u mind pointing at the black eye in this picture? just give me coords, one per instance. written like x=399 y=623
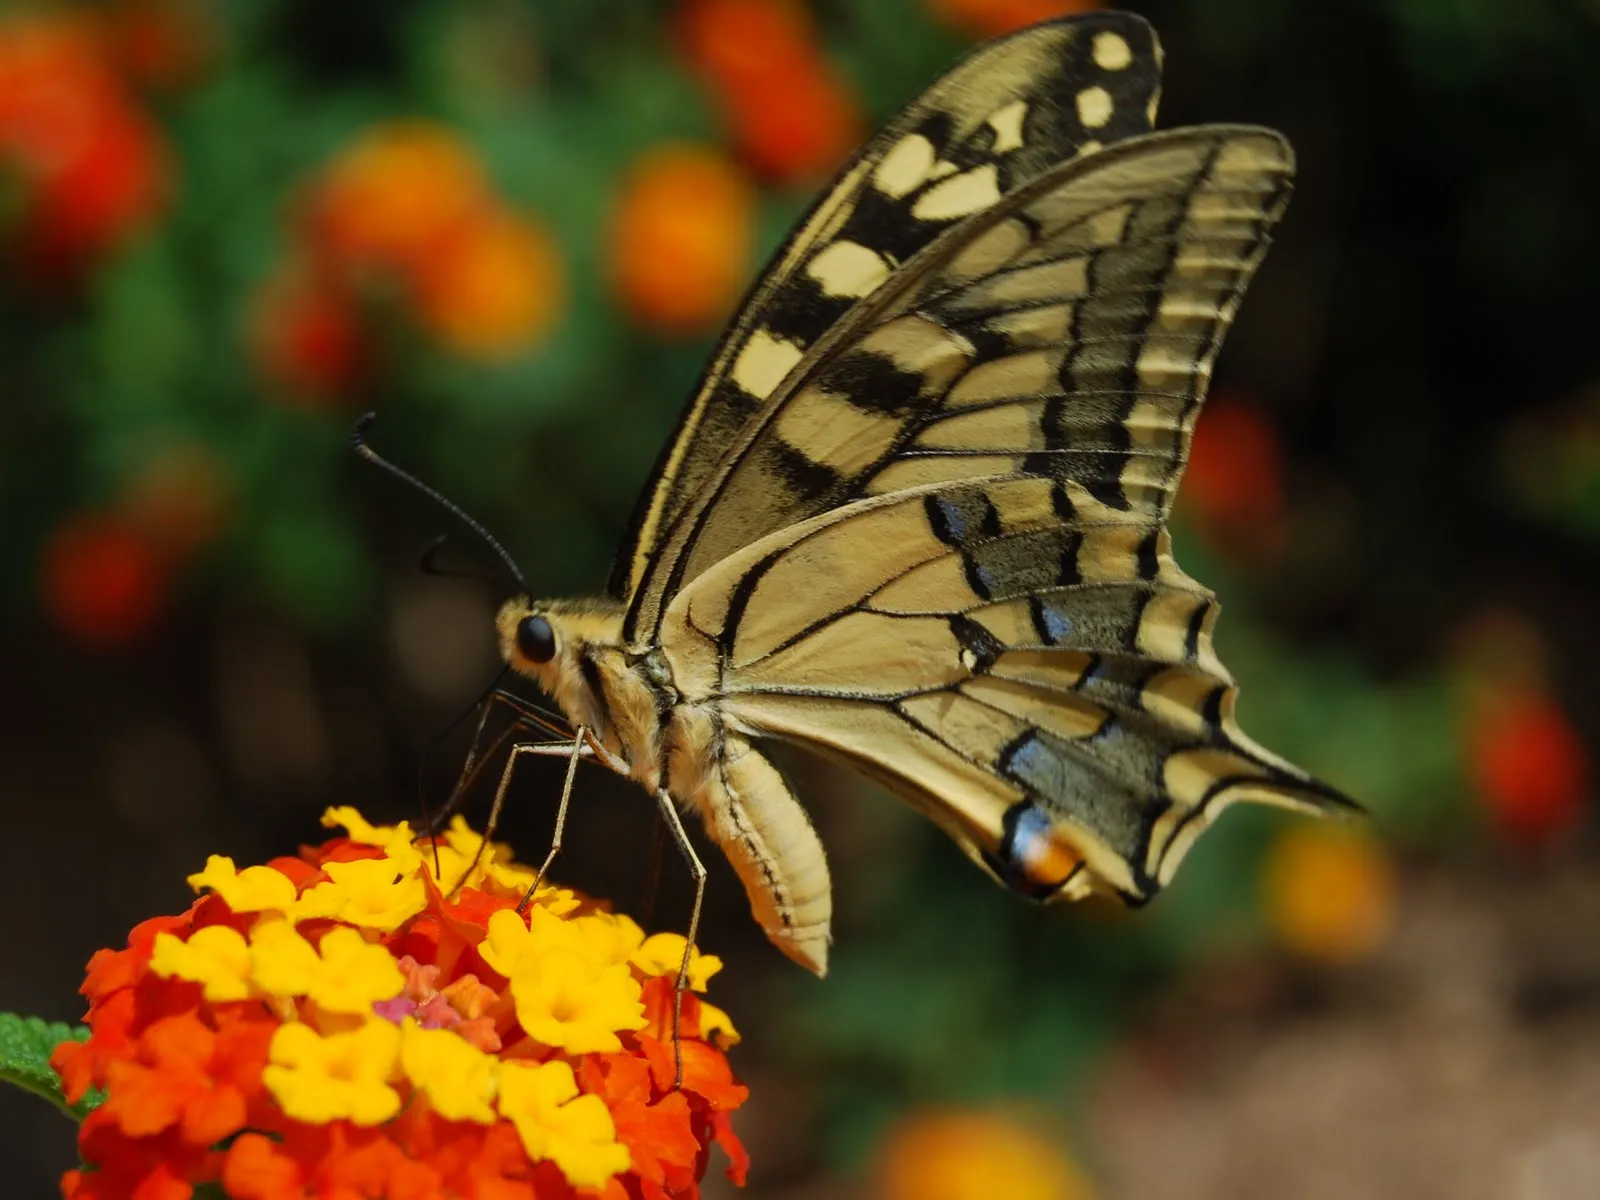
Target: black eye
x=536 y=641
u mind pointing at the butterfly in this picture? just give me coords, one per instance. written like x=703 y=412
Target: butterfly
x=914 y=517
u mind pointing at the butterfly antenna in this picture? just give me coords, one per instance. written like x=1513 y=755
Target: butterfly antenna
x=358 y=439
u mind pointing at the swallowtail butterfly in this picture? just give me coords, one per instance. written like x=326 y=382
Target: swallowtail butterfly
x=914 y=516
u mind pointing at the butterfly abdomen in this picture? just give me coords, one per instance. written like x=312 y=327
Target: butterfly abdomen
x=751 y=813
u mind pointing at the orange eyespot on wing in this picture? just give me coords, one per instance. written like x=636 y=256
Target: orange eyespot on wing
x=1036 y=858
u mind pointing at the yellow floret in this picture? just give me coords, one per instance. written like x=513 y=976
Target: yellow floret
x=465 y=840
x=608 y=937
x=567 y=1000
x=217 y=957
x=717 y=1028
x=512 y=938
x=358 y=829
x=459 y=1079
x=347 y=974
x=495 y=868
x=515 y=879
x=554 y=1122
x=254 y=889
x=345 y=1075
x=376 y=893
x=603 y=938
x=662 y=954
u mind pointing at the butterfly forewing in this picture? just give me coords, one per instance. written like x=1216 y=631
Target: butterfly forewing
x=1067 y=332
x=1012 y=110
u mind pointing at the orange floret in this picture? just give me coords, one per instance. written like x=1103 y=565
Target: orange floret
x=189 y=1076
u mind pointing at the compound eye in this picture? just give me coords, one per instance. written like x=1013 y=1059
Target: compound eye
x=536 y=641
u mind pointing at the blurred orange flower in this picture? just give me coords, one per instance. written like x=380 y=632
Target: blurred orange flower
x=974 y=1156
x=1530 y=766
x=102 y=580
x=179 y=500
x=88 y=166
x=406 y=213
x=1233 y=485
x=991 y=18
x=680 y=239
x=394 y=199
x=494 y=288
x=1329 y=891
x=788 y=110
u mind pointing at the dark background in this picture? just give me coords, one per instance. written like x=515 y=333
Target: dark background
x=214 y=626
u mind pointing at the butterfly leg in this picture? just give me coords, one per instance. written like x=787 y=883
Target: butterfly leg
x=575 y=749
x=580 y=747
x=432 y=822
x=669 y=812
x=470 y=771
x=528 y=715
x=524 y=716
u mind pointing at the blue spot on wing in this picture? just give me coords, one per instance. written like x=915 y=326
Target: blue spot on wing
x=1034 y=764
x=1056 y=622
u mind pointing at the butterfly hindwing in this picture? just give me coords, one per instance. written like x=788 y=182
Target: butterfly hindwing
x=1012 y=110
x=1023 y=662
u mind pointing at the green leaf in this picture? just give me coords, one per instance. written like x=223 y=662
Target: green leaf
x=25 y=1046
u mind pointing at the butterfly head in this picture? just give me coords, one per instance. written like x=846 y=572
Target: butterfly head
x=547 y=640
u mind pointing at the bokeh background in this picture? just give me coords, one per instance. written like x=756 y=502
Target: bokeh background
x=512 y=229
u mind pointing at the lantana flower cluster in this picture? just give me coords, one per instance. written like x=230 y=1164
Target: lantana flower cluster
x=351 y=1023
